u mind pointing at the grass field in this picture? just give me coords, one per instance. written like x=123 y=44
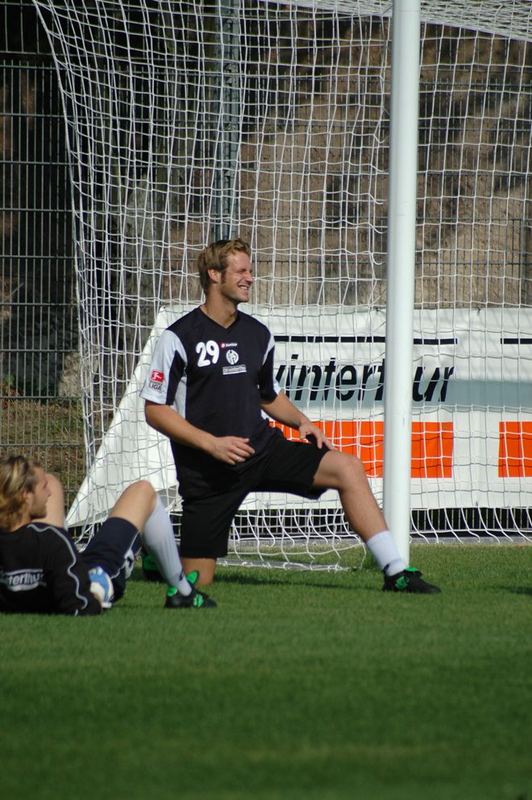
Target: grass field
x=301 y=685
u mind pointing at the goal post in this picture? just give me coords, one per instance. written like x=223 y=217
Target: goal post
x=402 y=188
x=272 y=120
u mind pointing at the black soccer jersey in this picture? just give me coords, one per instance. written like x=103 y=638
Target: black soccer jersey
x=41 y=572
x=216 y=378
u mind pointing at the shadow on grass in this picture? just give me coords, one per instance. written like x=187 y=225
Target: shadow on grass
x=279 y=579
x=527 y=590
x=317 y=580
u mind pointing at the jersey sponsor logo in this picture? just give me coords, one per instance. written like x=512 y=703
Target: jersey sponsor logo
x=156 y=380
x=232 y=357
x=235 y=370
x=225 y=345
x=22 y=580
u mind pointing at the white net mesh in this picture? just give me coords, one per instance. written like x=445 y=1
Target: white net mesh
x=190 y=121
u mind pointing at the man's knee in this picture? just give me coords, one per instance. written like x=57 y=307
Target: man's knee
x=143 y=486
x=142 y=490
x=136 y=503
x=350 y=468
x=339 y=470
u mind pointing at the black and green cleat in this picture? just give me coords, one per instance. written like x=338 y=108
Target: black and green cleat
x=192 y=577
x=150 y=569
x=408 y=581
x=195 y=599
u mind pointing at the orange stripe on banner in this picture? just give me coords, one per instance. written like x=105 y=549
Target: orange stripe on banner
x=515 y=449
x=432 y=449
x=432 y=445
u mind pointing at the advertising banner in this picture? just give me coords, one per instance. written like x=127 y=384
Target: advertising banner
x=471 y=404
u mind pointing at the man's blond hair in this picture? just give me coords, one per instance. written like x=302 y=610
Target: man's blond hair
x=17 y=476
x=215 y=256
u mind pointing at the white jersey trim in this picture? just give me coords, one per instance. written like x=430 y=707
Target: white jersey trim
x=166 y=348
x=74 y=555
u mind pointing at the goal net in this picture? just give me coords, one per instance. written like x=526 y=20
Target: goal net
x=190 y=121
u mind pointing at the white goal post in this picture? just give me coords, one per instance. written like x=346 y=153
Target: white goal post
x=193 y=120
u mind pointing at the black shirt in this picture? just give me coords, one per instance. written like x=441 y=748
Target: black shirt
x=216 y=378
x=41 y=572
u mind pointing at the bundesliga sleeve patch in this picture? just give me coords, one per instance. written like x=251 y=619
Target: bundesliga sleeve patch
x=156 y=380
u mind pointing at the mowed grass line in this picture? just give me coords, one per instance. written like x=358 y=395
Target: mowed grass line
x=300 y=685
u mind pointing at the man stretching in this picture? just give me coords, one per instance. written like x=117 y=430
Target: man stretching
x=210 y=389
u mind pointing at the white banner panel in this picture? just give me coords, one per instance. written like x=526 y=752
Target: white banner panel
x=471 y=401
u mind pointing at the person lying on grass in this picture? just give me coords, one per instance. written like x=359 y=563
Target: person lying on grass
x=41 y=571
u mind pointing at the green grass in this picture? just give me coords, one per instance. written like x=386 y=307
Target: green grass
x=300 y=685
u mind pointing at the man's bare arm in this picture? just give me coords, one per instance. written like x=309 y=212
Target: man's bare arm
x=284 y=411
x=166 y=420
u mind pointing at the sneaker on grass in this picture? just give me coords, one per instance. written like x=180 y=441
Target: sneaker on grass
x=102 y=586
x=195 y=599
x=409 y=581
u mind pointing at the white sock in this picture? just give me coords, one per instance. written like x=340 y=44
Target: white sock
x=384 y=550
x=160 y=543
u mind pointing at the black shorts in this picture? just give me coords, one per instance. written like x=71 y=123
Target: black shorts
x=287 y=467
x=113 y=548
